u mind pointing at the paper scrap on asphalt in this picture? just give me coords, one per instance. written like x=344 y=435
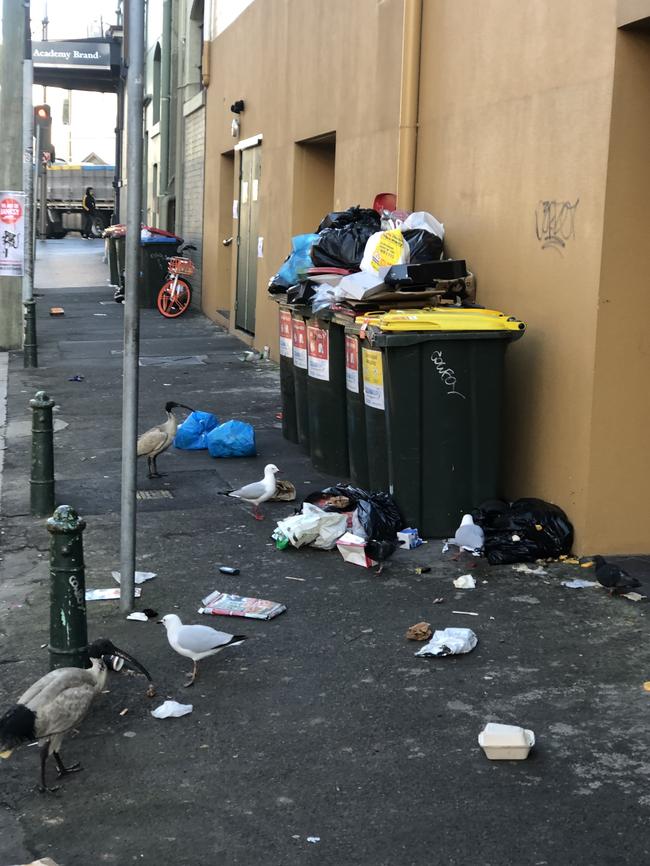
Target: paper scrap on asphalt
x=171 y=709
x=139 y=616
x=139 y=576
x=578 y=583
x=109 y=593
x=526 y=569
x=465 y=581
x=226 y=604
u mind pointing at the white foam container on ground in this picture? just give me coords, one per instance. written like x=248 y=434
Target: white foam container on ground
x=506 y=742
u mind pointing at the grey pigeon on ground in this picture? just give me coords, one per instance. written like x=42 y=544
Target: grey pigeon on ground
x=468 y=536
x=613 y=577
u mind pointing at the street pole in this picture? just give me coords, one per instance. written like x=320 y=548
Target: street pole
x=30 y=351
x=135 y=99
x=43 y=211
x=36 y=176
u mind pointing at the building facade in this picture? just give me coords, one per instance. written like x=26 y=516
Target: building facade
x=523 y=127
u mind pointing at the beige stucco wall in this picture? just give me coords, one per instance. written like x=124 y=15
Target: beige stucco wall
x=515 y=105
x=304 y=69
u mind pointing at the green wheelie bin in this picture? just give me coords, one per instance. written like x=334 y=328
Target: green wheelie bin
x=355 y=408
x=287 y=378
x=328 y=427
x=442 y=383
x=299 y=350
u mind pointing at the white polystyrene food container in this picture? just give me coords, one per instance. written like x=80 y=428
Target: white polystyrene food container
x=506 y=742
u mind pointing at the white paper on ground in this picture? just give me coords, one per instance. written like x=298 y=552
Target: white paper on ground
x=526 y=569
x=465 y=581
x=139 y=576
x=449 y=641
x=578 y=583
x=139 y=616
x=171 y=709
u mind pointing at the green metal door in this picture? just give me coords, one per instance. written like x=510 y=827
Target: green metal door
x=247 y=242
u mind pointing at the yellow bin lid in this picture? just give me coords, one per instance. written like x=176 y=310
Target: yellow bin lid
x=442 y=319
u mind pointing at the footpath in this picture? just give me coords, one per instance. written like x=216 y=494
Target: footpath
x=321 y=739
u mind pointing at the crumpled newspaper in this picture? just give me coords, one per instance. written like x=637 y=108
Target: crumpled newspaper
x=448 y=642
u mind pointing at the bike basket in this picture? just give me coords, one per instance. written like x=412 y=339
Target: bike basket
x=178 y=265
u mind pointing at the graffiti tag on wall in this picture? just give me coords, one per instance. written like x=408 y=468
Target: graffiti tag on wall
x=555 y=223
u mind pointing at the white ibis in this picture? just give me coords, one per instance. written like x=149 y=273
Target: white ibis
x=153 y=442
x=57 y=703
x=259 y=491
x=196 y=642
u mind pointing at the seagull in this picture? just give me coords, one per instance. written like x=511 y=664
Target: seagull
x=56 y=704
x=153 y=442
x=468 y=536
x=613 y=577
x=258 y=491
x=197 y=641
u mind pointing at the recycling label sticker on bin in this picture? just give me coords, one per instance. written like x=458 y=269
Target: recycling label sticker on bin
x=352 y=364
x=373 y=379
x=318 y=352
x=286 y=341
x=299 y=344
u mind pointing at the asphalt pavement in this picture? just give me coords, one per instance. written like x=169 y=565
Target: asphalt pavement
x=322 y=739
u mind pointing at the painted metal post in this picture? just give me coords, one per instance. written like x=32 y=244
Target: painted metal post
x=68 y=628
x=30 y=347
x=41 y=484
x=135 y=104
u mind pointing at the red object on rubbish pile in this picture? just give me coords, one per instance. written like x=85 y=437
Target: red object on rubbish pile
x=385 y=201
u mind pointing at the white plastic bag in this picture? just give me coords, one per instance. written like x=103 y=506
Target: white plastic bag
x=421 y=219
x=383 y=250
x=449 y=642
x=171 y=709
x=313 y=526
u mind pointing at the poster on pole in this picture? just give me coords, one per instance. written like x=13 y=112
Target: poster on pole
x=12 y=234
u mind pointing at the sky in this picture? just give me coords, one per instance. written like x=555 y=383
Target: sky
x=71 y=19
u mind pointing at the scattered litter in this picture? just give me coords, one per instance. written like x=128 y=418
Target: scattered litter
x=171 y=709
x=169 y=360
x=437 y=601
x=139 y=576
x=150 y=612
x=465 y=612
x=44 y=861
x=76 y=378
x=578 y=583
x=423 y=569
x=138 y=615
x=634 y=596
x=151 y=691
x=524 y=531
x=100 y=314
x=57 y=311
x=192 y=433
x=526 y=569
x=587 y=563
x=108 y=594
x=506 y=742
x=449 y=641
x=284 y=491
x=419 y=631
x=465 y=581
x=313 y=839
x=646 y=686
x=570 y=560
x=468 y=537
x=228 y=569
x=353 y=549
x=313 y=526
x=124 y=711
x=129 y=734
x=294 y=578
x=225 y=604
x=409 y=538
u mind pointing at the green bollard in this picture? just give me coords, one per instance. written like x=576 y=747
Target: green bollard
x=30 y=349
x=68 y=628
x=41 y=484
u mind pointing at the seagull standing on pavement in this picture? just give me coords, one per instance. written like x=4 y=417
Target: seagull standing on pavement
x=468 y=536
x=259 y=491
x=153 y=442
x=197 y=641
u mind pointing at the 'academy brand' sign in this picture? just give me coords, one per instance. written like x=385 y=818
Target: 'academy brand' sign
x=63 y=55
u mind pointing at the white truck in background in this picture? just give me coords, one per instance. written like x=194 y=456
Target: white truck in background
x=66 y=187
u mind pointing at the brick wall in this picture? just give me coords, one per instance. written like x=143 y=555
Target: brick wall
x=192 y=217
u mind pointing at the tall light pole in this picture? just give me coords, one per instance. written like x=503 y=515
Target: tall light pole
x=135 y=97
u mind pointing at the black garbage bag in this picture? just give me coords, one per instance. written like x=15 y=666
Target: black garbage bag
x=277 y=286
x=524 y=531
x=341 y=218
x=424 y=246
x=342 y=248
x=377 y=512
x=301 y=293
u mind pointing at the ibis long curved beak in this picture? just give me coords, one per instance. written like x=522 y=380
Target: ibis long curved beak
x=105 y=647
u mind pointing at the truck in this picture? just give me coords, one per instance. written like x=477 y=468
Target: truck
x=66 y=186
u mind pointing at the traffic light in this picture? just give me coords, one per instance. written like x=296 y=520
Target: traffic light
x=43 y=121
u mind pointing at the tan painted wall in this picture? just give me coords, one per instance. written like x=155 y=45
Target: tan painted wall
x=304 y=69
x=515 y=103
x=618 y=514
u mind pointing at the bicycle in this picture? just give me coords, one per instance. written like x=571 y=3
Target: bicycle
x=176 y=293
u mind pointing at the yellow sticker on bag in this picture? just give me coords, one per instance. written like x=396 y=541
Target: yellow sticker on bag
x=388 y=251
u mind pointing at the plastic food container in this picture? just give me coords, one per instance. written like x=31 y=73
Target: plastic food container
x=506 y=742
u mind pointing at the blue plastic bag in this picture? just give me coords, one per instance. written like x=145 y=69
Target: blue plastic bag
x=232 y=439
x=192 y=434
x=299 y=260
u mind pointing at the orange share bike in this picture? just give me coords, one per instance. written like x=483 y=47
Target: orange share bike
x=176 y=293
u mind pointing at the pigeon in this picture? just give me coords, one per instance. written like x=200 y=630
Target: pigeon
x=468 y=536
x=258 y=491
x=197 y=641
x=613 y=577
x=380 y=551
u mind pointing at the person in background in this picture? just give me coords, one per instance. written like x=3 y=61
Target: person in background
x=89 y=207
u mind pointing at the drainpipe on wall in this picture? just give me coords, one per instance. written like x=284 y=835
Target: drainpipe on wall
x=165 y=80
x=408 y=109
